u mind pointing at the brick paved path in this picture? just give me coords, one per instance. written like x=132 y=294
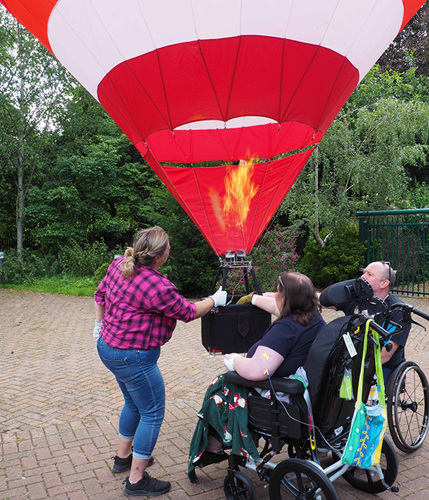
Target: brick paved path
x=59 y=407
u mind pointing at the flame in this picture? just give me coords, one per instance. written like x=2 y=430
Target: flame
x=240 y=189
x=232 y=209
x=216 y=201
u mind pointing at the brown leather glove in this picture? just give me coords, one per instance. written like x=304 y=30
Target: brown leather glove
x=247 y=299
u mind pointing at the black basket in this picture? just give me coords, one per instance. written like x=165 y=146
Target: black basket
x=233 y=328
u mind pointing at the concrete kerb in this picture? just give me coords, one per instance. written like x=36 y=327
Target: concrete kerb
x=59 y=407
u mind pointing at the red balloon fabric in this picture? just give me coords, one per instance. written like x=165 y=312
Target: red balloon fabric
x=190 y=81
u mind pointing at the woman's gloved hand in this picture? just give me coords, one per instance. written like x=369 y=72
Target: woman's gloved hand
x=219 y=298
x=247 y=299
x=97 y=328
x=229 y=361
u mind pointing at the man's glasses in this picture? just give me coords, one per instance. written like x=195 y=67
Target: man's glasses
x=389 y=267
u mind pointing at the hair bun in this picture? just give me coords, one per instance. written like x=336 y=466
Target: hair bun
x=129 y=252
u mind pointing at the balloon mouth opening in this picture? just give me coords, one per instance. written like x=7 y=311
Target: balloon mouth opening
x=234 y=123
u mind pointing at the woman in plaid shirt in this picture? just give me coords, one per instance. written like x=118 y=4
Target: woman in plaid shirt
x=136 y=310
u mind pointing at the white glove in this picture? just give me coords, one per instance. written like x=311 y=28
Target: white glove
x=219 y=298
x=229 y=361
x=97 y=328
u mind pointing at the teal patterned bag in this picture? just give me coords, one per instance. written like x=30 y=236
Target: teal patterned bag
x=363 y=448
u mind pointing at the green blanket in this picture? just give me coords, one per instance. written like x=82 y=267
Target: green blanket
x=224 y=410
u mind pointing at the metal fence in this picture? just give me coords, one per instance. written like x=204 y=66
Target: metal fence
x=400 y=237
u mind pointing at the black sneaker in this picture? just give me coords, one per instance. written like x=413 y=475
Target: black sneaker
x=147 y=486
x=124 y=464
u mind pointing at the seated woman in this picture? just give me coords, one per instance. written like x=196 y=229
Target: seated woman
x=281 y=351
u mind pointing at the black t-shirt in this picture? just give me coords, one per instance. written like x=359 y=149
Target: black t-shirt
x=355 y=306
x=291 y=340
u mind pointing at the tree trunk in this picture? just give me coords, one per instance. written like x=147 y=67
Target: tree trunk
x=321 y=241
x=20 y=197
x=20 y=204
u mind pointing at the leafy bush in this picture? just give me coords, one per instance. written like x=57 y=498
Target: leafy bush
x=84 y=261
x=274 y=253
x=30 y=267
x=339 y=260
x=100 y=273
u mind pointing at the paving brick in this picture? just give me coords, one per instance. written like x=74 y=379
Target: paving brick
x=18 y=492
x=37 y=491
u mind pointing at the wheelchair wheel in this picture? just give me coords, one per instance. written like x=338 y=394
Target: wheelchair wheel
x=407 y=406
x=366 y=480
x=296 y=478
x=238 y=487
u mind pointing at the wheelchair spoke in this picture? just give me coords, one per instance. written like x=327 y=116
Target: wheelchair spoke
x=408 y=407
x=297 y=478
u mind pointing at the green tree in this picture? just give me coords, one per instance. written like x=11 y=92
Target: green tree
x=192 y=264
x=34 y=89
x=373 y=151
x=410 y=47
x=92 y=195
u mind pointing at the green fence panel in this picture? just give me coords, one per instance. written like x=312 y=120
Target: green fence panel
x=401 y=238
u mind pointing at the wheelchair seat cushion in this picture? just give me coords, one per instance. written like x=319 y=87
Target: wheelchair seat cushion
x=343 y=292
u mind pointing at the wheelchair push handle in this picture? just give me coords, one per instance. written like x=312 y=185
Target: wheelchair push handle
x=361 y=319
x=408 y=310
x=384 y=334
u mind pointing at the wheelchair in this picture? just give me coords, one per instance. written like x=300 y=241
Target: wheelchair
x=315 y=424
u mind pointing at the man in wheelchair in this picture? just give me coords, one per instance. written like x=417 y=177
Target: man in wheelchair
x=372 y=295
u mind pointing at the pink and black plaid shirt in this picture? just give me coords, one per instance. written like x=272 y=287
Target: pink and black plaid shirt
x=140 y=311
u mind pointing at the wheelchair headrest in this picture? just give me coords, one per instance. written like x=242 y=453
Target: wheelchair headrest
x=342 y=292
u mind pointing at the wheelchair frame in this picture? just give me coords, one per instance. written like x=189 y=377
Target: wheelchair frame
x=407 y=389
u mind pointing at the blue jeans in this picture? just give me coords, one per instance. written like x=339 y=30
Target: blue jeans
x=142 y=385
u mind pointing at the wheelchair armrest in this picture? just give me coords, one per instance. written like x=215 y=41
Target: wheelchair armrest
x=289 y=386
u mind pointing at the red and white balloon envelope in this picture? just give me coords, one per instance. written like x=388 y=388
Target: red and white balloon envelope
x=190 y=81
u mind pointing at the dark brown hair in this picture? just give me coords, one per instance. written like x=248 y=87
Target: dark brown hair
x=299 y=297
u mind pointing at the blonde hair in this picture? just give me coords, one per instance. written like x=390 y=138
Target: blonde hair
x=147 y=244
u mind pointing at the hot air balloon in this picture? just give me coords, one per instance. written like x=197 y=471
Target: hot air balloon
x=191 y=81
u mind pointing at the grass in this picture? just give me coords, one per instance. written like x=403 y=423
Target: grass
x=64 y=284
